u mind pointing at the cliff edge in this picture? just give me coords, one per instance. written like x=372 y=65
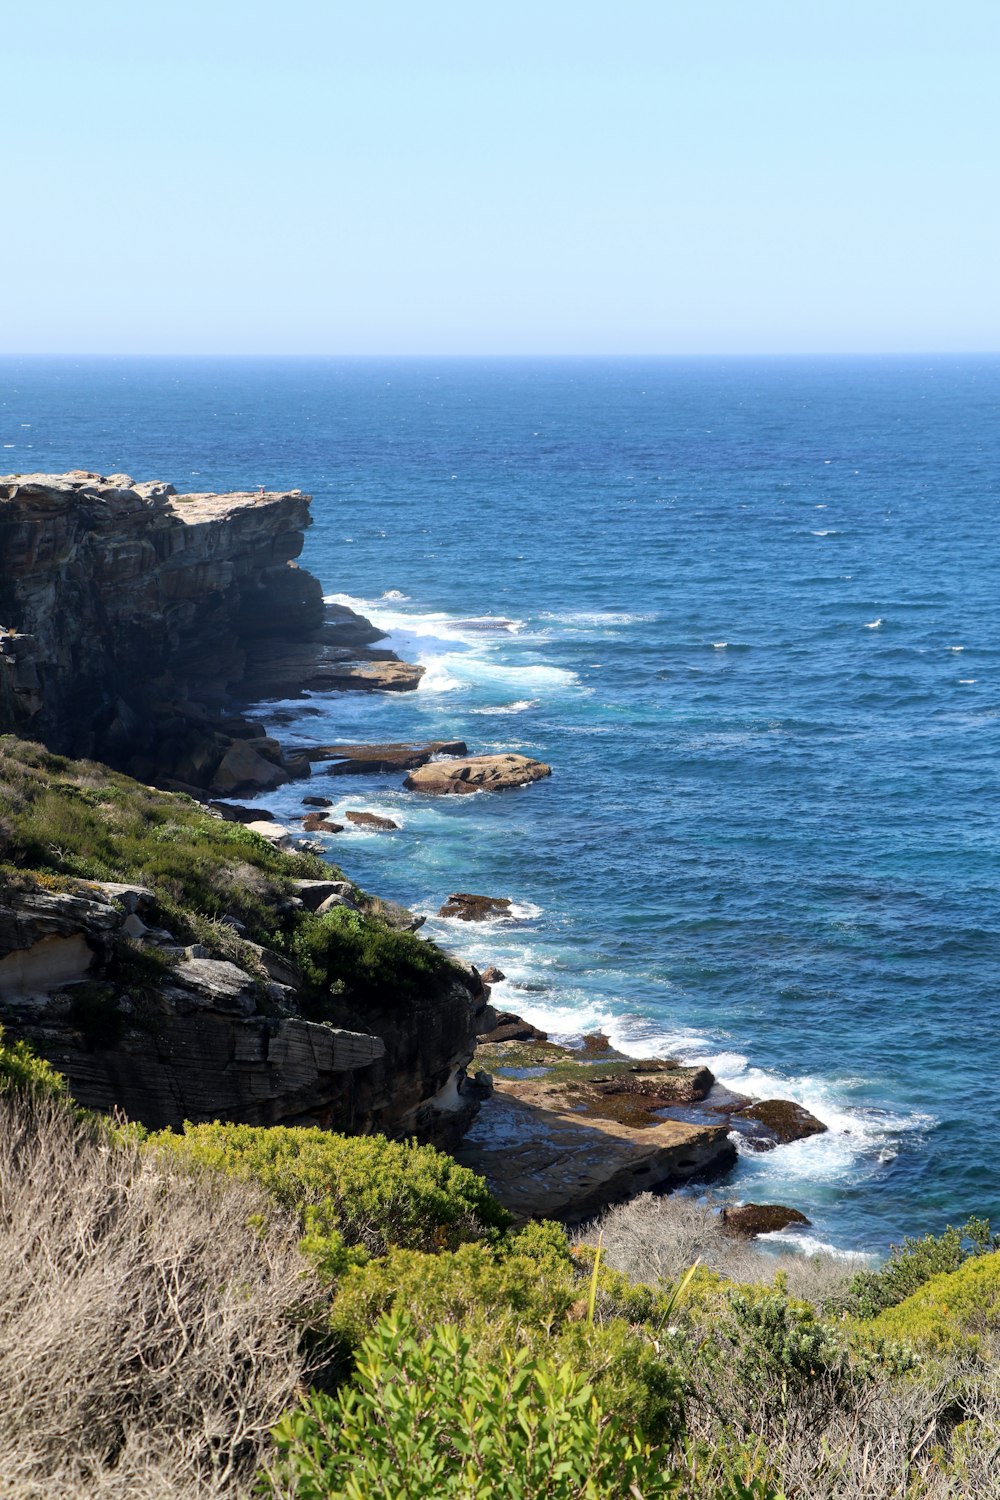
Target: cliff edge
x=131 y=616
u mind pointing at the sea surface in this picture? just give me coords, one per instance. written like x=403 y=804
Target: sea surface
x=747 y=610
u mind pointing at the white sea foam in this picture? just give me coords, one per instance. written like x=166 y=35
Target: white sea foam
x=520 y=707
x=825 y=533
x=808 y=1245
x=395 y=594
x=956 y=648
x=967 y=681
x=873 y=624
x=598 y=617
x=720 y=645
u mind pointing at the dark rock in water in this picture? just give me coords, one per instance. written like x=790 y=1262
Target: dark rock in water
x=511 y=1028
x=750 y=1219
x=469 y=908
x=316 y=823
x=596 y=1045
x=370 y=820
x=373 y=760
x=317 y=801
x=233 y=812
x=775 y=1122
x=493 y=975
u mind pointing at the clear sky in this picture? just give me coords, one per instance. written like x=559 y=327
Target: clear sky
x=519 y=177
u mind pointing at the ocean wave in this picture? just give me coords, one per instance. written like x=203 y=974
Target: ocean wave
x=873 y=624
x=519 y=707
x=598 y=617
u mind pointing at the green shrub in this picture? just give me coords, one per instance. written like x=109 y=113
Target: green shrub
x=358 y=1191
x=22 y=1071
x=915 y=1262
x=427 y=1419
x=365 y=962
x=525 y=1290
x=953 y=1311
x=67 y=818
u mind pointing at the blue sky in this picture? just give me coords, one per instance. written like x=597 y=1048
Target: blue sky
x=435 y=177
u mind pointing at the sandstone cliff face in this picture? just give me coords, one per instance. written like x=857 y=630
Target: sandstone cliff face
x=130 y=614
x=199 y=1038
x=127 y=611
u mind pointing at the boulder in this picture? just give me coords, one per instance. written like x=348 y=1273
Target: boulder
x=370 y=760
x=775 y=1122
x=511 y=1028
x=243 y=769
x=370 y=820
x=316 y=823
x=233 y=812
x=313 y=893
x=750 y=1219
x=317 y=801
x=274 y=833
x=476 y=773
x=493 y=975
x=469 y=908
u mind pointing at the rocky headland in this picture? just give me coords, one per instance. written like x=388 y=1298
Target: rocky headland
x=183 y=961
x=133 y=620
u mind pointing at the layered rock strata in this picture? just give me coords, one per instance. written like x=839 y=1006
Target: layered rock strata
x=200 y=1038
x=130 y=615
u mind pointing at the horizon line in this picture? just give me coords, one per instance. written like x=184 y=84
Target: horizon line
x=930 y=353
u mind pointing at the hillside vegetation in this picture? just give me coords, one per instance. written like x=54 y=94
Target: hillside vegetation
x=232 y=1311
x=288 y=1313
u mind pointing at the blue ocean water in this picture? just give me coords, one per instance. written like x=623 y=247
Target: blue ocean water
x=751 y=622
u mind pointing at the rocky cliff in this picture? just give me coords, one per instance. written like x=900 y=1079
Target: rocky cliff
x=178 y=967
x=131 y=615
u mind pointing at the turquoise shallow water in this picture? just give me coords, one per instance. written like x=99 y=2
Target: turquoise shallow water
x=752 y=624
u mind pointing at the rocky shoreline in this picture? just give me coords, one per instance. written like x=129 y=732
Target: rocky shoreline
x=136 y=627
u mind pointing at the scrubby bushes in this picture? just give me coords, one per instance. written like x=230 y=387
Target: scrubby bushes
x=70 y=818
x=364 y=961
x=428 y=1418
x=362 y=1192
x=915 y=1262
x=149 y=1321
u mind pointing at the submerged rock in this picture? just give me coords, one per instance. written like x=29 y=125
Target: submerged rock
x=476 y=773
x=469 y=908
x=775 y=1122
x=373 y=760
x=750 y=1219
x=370 y=820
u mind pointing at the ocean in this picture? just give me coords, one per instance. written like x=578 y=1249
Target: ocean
x=747 y=610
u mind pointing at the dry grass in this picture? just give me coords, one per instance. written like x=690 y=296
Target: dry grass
x=149 y=1322
x=653 y=1239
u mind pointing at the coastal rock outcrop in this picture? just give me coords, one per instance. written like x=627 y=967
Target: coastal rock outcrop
x=196 y=1037
x=476 y=773
x=130 y=615
x=469 y=908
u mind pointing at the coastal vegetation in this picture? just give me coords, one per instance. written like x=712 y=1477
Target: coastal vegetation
x=238 y=1311
x=228 y=1310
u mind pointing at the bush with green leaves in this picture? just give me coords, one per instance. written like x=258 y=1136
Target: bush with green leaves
x=913 y=1263
x=954 y=1311
x=363 y=961
x=75 y=819
x=22 y=1072
x=426 y=1419
x=363 y=1192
